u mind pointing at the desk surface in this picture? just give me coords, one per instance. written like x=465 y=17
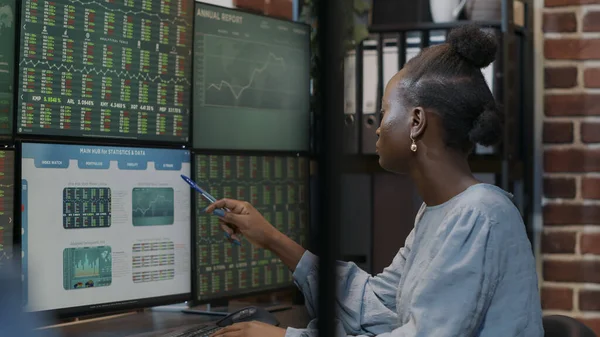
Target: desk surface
x=149 y=321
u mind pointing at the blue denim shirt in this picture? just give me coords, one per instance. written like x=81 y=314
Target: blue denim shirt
x=466 y=269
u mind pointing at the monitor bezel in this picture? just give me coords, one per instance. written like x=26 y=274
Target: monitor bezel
x=17 y=136
x=110 y=307
x=195 y=301
x=310 y=119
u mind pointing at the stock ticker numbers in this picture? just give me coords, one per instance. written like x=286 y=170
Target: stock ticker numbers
x=7 y=52
x=277 y=187
x=107 y=68
x=7 y=177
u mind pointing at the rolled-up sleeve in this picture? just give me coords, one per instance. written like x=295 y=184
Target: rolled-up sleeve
x=450 y=299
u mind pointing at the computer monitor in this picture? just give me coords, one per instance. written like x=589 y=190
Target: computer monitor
x=114 y=69
x=104 y=228
x=251 y=81
x=7 y=68
x=7 y=191
x=277 y=186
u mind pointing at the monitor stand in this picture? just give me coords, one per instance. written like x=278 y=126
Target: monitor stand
x=224 y=308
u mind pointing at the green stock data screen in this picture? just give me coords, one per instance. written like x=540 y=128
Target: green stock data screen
x=115 y=69
x=251 y=81
x=7 y=52
x=7 y=181
x=86 y=207
x=275 y=186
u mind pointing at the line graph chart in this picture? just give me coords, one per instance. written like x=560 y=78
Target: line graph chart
x=120 y=74
x=5 y=256
x=153 y=206
x=256 y=75
x=249 y=74
x=238 y=90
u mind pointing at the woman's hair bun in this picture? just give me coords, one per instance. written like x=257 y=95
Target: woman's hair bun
x=473 y=44
x=488 y=127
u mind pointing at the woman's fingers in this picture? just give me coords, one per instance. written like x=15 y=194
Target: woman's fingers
x=232 y=330
x=230 y=232
x=226 y=228
x=235 y=206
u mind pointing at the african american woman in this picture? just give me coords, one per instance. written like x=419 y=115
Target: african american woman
x=467 y=267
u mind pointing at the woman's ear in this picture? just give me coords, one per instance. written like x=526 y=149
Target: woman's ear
x=418 y=122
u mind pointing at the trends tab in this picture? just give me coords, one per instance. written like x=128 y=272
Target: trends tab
x=106 y=69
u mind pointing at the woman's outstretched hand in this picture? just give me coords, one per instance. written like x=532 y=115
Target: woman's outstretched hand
x=244 y=219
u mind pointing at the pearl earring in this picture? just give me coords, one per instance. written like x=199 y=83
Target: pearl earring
x=413 y=146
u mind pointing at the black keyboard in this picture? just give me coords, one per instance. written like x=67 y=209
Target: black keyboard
x=197 y=331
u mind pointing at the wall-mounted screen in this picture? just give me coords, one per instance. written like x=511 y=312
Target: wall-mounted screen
x=106 y=69
x=278 y=188
x=251 y=81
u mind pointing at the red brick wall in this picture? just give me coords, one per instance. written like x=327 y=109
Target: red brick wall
x=571 y=136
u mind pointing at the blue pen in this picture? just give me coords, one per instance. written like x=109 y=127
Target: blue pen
x=202 y=192
x=211 y=199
